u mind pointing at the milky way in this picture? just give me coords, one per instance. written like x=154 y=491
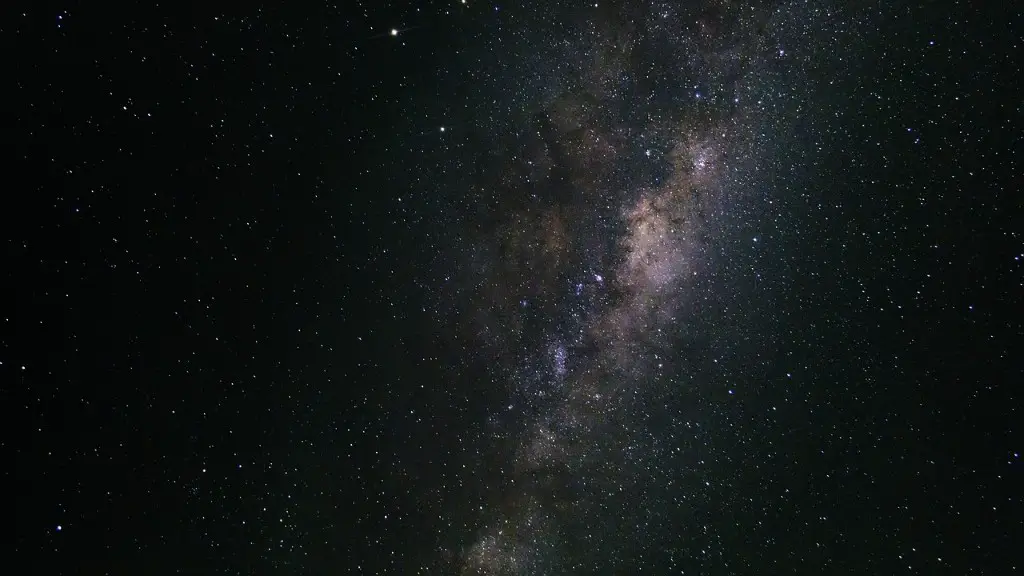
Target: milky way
x=650 y=125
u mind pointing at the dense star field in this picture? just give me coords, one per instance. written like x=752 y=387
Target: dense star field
x=460 y=287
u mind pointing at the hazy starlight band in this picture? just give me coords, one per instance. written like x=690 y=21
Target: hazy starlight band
x=669 y=119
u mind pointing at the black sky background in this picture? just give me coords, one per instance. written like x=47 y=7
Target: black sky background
x=225 y=232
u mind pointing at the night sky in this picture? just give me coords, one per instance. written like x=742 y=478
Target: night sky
x=460 y=287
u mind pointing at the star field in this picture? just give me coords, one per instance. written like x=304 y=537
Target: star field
x=461 y=287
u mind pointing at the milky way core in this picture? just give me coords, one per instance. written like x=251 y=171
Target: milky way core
x=611 y=215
